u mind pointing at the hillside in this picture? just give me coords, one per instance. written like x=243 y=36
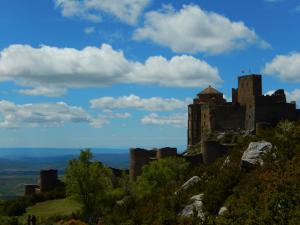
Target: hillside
x=222 y=193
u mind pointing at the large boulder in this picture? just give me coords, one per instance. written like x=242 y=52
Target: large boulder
x=253 y=155
x=195 y=207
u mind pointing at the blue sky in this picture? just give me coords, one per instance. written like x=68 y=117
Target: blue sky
x=110 y=73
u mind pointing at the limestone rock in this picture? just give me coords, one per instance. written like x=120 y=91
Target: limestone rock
x=195 y=207
x=222 y=211
x=253 y=155
x=194 y=180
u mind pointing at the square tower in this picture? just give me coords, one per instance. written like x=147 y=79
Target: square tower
x=248 y=88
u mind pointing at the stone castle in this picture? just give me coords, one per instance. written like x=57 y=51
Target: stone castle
x=210 y=114
x=249 y=109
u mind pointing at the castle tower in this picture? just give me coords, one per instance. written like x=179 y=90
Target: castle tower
x=48 y=180
x=249 y=87
x=208 y=96
x=139 y=158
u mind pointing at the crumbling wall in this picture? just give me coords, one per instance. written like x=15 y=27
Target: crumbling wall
x=30 y=189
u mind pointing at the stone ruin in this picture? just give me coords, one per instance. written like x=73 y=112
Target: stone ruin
x=48 y=181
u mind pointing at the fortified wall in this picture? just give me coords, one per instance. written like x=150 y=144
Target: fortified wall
x=210 y=113
x=139 y=157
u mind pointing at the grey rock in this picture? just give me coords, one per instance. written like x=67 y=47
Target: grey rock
x=253 y=155
x=222 y=211
x=195 y=207
x=194 y=180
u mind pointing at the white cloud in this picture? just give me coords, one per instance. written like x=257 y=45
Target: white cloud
x=50 y=115
x=89 y=30
x=125 y=10
x=179 y=71
x=44 y=114
x=176 y=120
x=136 y=102
x=286 y=67
x=45 y=67
x=44 y=91
x=193 y=30
x=294 y=95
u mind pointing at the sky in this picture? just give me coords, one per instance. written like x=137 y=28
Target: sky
x=120 y=74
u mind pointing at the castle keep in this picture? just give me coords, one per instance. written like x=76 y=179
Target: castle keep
x=211 y=113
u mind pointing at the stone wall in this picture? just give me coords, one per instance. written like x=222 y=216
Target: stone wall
x=212 y=150
x=275 y=112
x=166 y=152
x=140 y=157
x=30 y=189
x=194 y=124
x=48 y=180
x=226 y=117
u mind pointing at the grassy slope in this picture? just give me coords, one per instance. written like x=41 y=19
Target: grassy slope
x=52 y=208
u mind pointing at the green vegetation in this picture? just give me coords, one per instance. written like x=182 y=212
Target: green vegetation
x=89 y=182
x=267 y=194
x=52 y=208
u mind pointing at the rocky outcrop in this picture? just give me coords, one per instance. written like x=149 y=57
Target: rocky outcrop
x=222 y=211
x=191 y=182
x=253 y=155
x=195 y=207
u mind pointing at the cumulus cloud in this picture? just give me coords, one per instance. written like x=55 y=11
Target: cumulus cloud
x=179 y=71
x=45 y=67
x=44 y=91
x=50 y=115
x=136 y=102
x=44 y=114
x=193 y=30
x=176 y=120
x=286 y=67
x=294 y=95
x=125 y=10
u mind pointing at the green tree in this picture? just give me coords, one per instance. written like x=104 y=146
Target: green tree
x=158 y=174
x=88 y=182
